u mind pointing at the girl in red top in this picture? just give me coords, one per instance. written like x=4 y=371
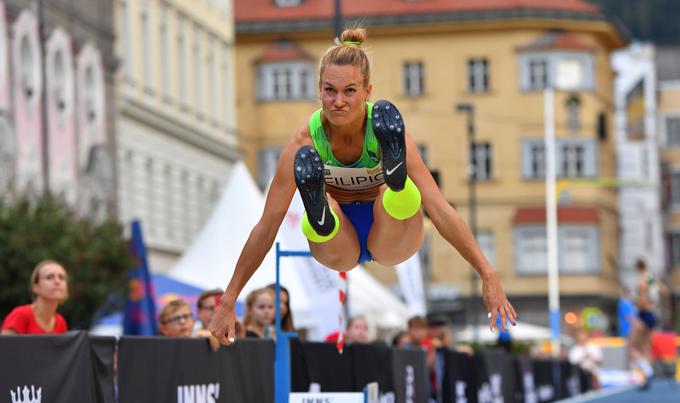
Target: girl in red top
x=50 y=288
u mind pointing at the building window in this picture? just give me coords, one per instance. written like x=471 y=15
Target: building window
x=572 y=71
x=478 y=75
x=578 y=249
x=675 y=188
x=480 y=161
x=150 y=197
x=572 y=156
x=575 y=158
x=486 y=244
x=287 y=3
x=212 y=71
x=538 y=74
x=198 y=73
x=413 y=79
x=285 y=81
x=181 y=62
x=226 y=106
x=169 y=202
x=126 y=42
x=531 y=250
x=147 y=49
x=673 y=132
x=165 y=52
x=268 y=159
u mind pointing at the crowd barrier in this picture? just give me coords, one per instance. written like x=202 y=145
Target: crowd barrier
x=78 y=367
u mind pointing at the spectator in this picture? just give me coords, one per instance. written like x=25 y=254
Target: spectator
x=49 y=286
x=586 y=355
x=439 y=333
x=206 y=306
x=259 y=318
x=286 y=315
x=401 y=339
x=357 y=330
x=176 y=319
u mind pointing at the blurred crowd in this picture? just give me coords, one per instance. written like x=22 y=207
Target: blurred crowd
x=636 y=320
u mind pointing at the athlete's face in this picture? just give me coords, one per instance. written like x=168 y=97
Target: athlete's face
x=343 y=94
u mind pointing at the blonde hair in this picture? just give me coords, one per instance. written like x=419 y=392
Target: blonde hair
x=250 y=301
x=172 y=307
x=347 y=51
x=35 y=275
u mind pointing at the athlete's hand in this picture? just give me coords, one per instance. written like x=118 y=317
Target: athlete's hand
x=223 y=324
x=496 y=302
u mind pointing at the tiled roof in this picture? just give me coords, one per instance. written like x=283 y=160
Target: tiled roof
x=283 y=50
x=558 y=40
x=535 y=215
x=266 y=10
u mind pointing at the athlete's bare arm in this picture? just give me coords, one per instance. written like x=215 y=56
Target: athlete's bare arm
x=458 y=234
x=261 y=237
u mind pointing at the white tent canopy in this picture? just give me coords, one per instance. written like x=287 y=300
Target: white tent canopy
x=211 y=260
x=522 y=332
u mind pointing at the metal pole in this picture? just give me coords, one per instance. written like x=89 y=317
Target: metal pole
x=551 y=218
x=469 y=110
x=337 y=18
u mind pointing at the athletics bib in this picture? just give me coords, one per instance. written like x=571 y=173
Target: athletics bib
x=353 y=178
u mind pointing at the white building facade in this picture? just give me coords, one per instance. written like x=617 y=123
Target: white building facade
x=176 y=117
x=638 y=166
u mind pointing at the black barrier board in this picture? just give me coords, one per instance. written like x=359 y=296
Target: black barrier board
x=570 y=382
x=546 y=375
x=102 y=350
x=370 y=363
x=181 y=370
x=320 y=363
x=459 y=382
x=525 y=387
x=47 y=368
x=410 y=375
x=495 y=376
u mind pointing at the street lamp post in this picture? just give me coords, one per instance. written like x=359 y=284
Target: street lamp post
x=551 y=218
x=469 y=110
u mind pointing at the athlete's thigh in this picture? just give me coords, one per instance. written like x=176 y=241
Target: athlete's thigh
x=342 y=252
x=393 y=241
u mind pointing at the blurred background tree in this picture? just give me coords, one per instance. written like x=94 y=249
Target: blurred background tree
x=94 y=254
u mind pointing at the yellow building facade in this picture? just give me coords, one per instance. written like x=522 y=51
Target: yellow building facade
x=427 y=62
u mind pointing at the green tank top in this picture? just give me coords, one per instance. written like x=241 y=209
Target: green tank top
x=363 y=174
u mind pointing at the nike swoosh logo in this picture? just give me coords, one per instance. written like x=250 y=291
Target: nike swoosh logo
x=323 y=217
x=391 y=171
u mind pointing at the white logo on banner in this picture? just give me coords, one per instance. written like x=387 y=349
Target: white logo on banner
x=460 y=392
x=388 y=397
x=205 y=393
x=26 y=396
x=410 y=384
x=546 y=392
x=529 y=388
x=490 y=392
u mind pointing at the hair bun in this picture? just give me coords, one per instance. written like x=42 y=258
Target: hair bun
x=353 y=36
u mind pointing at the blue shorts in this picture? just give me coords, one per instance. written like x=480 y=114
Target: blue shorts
x=361 y=216
x=648 y=319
